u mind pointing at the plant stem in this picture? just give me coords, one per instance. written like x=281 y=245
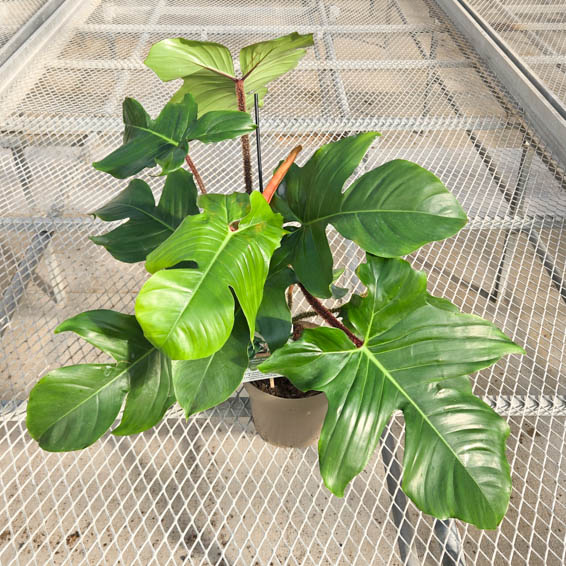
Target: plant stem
x=196 y=174
x=309 y=314
x=327 y=315
x=245 y=140
x=280 y=173
x=290 y=297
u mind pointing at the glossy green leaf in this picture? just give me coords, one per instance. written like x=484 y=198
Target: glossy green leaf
x=189 y=313
x=165 y=140
x=136 y=119
x=263 y=62
x=71 y=407
x=208 y=72
x=148 y=225
x=389 y=211
x=155 y=139
x=175 y=58
x=274 y=317
x=416 y=355
x=220 y=125
x=204 y=383
x=397 y=208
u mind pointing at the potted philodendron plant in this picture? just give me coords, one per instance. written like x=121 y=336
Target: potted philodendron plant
x=221 y=266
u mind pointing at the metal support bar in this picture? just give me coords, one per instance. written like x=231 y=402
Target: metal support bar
x=539 y=406
x=23 y=275
x=69 y=125
x=449 y=538
x=518 y=25
x=331 y=54
x=251 y=30
x=22 y=33
x=43 y=31
x=548 y=264
x=322 y=64
x=544 y=111
x=38 y=223
x=516 y=201
x=406 y=532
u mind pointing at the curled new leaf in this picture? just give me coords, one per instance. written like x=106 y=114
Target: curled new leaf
x=189 y=313
x=416 y=355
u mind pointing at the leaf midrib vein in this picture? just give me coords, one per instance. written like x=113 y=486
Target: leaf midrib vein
x=153 y=132
x=149 y=215
x=107 y=384
x=374 y=210
x=205 y=273
x=389 y=377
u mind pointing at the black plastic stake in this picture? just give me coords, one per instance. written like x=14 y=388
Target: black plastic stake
x=258 y=143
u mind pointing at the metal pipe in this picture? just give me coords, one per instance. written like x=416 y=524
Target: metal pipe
x=449 y=538
x=515 y=205
x=69 y=125
x=331 y=54
x=23 y=33
x=322 y=64
x=255 y=29
x=393 y=475
x=25 y=269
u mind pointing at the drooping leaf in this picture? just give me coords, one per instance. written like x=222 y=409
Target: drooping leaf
x=208 y=72
x=189 y=313
x=148 y=225
x=416 y=355
x=165 y=140
x=274 y=317
x=204 y=383
x=389 y=211
x=71 y=407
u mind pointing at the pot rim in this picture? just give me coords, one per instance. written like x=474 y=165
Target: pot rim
x=264 y=393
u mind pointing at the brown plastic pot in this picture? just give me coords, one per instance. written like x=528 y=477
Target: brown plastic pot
x=294 y=423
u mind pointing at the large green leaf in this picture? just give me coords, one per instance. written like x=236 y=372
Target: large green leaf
x=189 y=313
x=416 y=355
x=204 y=383
x=208 y=73
x=71 y=407
x=148 y=225
x=165 y=140
x=389 y=211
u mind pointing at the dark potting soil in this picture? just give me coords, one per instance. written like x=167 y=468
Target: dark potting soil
x=283 y=388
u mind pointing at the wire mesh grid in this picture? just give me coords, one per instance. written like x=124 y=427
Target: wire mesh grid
x=13 y=15
x=210 y=491
x=534 y=29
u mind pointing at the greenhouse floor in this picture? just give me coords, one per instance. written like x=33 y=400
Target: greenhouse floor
x=210 y=490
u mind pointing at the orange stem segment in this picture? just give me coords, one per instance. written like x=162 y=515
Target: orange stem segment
x=280 y=173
